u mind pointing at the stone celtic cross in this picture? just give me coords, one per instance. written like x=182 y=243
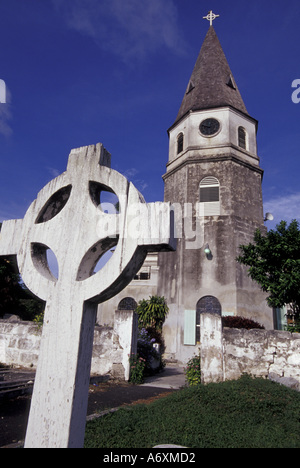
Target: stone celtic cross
x=66 y=218
x=211 y=17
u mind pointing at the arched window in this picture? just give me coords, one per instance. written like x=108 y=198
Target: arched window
x=207 y=304
x=180 y=143
x=209 y=197
x=128 y=303
x=242 y=135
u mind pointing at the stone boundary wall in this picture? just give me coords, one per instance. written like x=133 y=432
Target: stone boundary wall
x=20 y=344
x=228 y=353
x=261 y=353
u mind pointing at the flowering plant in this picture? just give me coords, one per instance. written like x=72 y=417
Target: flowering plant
x=145 y=346
x=39 y=319
x=137 y=367
x=193 y=371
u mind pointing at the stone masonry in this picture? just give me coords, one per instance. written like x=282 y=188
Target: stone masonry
x=227 y=354
x=261 y=353
x=20 y=345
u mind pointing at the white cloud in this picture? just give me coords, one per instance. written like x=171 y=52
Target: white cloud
x=131 y=174
x=283 y=208
x=54 y=172
x=141 y=185
x=130 y=29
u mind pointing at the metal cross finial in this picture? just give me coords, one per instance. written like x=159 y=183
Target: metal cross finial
x=211 y=17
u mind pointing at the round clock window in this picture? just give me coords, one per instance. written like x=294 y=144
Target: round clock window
x=209 y=127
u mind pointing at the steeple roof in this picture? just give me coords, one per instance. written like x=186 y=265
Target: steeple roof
x=211 y=84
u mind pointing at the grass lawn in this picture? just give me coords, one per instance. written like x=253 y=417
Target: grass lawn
x=248 y=413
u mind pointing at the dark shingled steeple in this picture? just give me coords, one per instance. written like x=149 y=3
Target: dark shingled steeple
x=212 y=84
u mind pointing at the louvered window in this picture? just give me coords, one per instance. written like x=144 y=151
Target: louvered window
x=180 y=143
x=242 y=138
x=210 y=197
x=144 y=274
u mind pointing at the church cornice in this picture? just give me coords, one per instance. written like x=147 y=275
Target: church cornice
x=219 y=148
x=213 y=159
x=192 y=111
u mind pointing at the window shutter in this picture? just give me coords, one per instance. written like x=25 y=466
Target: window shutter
x=180 y=143
x=190 y=327
x=242 y=138
x=210 y=197
x=209 y=194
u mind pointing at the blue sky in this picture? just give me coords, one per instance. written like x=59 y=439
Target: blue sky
x=78 y=72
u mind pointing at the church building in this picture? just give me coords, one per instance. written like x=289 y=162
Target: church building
x=214 y=181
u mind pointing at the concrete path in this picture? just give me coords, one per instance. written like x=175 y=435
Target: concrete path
x=171 y=377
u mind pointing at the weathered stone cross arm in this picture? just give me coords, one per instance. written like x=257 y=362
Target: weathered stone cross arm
x=67 y=218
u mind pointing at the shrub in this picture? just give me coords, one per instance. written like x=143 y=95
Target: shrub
x=140 y=363
x=145 y=349
x=152 y=312
x=137 y=368
x=193 y=371
x=241 y=322
x=157 y=335
x=293 y=328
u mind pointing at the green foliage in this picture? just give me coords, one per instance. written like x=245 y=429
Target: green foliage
x=137 y=369
x=15 y=298
x=248 y=413
x=241 y=322
x=193 y=371
x=10 y=290
x=39 y=319
x=274 y=263
x=293 y=328
x=145 y=347
x=140 y=363
x=152 y=312
x=157 y=336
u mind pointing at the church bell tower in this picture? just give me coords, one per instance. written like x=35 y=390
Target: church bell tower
x=213 y=179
